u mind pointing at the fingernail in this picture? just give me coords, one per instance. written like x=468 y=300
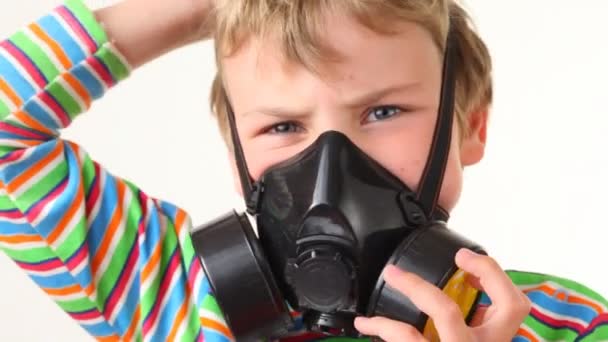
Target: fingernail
x=465 y=252
x=360 y=321
x=390 y=271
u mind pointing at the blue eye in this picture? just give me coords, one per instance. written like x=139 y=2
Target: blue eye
x=284 y=128
x=382 y=113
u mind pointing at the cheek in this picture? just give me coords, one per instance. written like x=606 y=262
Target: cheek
x=407 y=158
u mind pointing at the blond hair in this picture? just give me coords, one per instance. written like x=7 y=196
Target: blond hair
x=300 y=41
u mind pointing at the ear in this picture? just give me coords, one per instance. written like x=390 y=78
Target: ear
x=473 y=145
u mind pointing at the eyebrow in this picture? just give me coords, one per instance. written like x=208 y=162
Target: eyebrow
x=378 y=94
x=355 y=102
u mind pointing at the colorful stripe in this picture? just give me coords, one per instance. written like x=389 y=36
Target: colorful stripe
x=120 y=263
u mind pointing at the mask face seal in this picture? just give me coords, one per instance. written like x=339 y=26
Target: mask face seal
x=329 y=220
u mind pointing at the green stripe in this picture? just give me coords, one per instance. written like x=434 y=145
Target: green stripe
x=4 y=111
x=76 y=305
x=169 y=242
x=65 y=99
x=6 y=203
x=529 y=278
x=194 y=324
x=4 y=150
x=599 y=334
x=118 y=259
x=210 y=304
x=88 y=173
x=42 y=187
x=118 y=70
x=549 y=333
x=76 y=236
x=32 y=255
x=37 y=55
x=88 y=20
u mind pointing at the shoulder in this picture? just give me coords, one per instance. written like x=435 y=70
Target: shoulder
x=562 y=309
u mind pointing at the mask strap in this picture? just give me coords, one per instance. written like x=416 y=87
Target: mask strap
x=432 y=176
x=251 y=189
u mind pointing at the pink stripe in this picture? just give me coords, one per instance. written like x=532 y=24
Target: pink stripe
x=25 y=62
x=76 y=259
x=85 y=316
x=557 y=323
x=597 y=321
x=153 y=316
x=22 y=133
x=195 y=273
x=47 y=265
x=121 y=285
x=59 y=112
x=11 y=214
x=75 y=25
x=101 y=71
x=35 y=210
x=94 y=192
x=9 y=157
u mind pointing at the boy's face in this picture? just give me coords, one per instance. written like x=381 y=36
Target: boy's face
x=383 y=94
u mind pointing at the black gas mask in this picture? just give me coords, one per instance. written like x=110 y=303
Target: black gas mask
x=329 y=220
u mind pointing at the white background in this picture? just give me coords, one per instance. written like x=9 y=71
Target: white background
x=537 y=202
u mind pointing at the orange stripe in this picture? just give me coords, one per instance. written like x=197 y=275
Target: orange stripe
x=90 y=289
x=178 y=320
x=112 y=338
x=34 y=169
x=33 y=123
x=571 y=298
x=56 y=48
x=152 y=263
x=80 y=90
x=527 y=334
x=211 y=324
x=180 y=217
x=64 y=291
x=111 y=231
x=20 y=238
x=134 y=323
x=5 y=88
x=67 y=217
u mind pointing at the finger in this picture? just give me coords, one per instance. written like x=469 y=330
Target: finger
x=388 y=329
x=446 y=315
x=473 y=281
x=509 y=305
x=492 y=278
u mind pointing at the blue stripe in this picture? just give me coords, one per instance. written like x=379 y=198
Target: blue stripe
x=213 y=336
x=153 y=233
x=160 y=281
x=557 y=306
x=90 y=82
x=10 y=172
x=99 y=329
x=67 y=196
x=54 y=29
x=520 y=339
x=8 y=229
x=127 y=308
x=63 y=279
x=12 y=76
x=34 y=109
x=108 y=196
x=177 y=296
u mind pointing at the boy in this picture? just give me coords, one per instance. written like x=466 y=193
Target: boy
x=122 y=264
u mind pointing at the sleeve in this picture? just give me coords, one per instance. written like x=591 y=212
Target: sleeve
x=119 y=262
x=562 y=309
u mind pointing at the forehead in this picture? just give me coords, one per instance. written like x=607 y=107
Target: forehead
x=364 y=58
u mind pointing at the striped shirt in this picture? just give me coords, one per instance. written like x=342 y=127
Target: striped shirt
x=119 y=262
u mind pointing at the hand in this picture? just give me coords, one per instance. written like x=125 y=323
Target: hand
x=498 y=322
x=146 y=29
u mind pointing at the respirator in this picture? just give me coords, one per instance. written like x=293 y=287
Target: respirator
x=329 y=220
